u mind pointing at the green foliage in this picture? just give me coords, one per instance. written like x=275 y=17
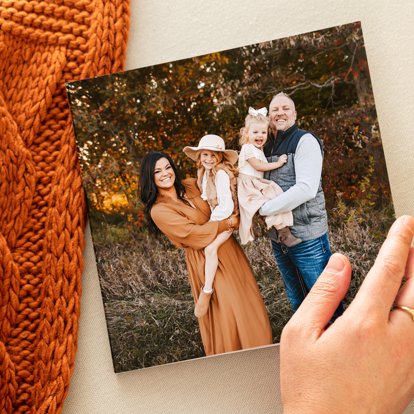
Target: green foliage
x=109 y=234
x=119 y=118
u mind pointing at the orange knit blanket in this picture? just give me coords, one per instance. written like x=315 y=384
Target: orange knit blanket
x=44 y=44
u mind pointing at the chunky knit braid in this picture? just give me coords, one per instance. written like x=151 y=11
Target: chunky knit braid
x=44 y=44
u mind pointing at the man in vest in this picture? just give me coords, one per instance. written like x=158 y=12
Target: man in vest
x=300 y=179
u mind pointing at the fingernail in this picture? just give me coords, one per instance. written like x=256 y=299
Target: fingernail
x=402 y=222
x=336 y=263
x=409 y=222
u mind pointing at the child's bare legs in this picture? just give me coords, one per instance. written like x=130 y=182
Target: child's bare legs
x=211 y=255
x=210 y=269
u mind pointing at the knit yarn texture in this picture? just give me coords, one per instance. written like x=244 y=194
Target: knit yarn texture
x=44 y=44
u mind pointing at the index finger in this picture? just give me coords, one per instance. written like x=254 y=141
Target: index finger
x=380 y=287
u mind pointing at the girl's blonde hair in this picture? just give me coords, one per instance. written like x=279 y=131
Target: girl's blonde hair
x=250 y=119
x=221 y=159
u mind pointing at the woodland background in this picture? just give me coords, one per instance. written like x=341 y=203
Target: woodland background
x=119 y=118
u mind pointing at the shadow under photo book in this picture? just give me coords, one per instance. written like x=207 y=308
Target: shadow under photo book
x=119 y=118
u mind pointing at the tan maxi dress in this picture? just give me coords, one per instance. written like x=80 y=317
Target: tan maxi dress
x=237 y=318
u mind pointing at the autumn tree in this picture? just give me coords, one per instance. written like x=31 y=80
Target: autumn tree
x=119 y=118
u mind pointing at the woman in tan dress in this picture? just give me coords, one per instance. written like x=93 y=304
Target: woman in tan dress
x=237 y=318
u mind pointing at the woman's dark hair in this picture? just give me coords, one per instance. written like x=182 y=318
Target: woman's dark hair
x=147 y=188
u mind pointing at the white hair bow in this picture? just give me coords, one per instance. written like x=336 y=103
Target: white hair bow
x=256 y=112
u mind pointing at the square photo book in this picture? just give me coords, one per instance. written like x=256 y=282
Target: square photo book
x=218 y=186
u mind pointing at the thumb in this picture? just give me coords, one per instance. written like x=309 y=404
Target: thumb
x=326 y=294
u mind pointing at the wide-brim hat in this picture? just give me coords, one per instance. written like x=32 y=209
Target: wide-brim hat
x=212 y=143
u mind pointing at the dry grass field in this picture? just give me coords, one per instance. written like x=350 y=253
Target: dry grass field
x=148 y=304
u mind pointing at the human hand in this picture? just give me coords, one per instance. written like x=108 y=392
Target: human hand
x=229 y=224
x=282 y=160
x=235 y=221
x=364 y=361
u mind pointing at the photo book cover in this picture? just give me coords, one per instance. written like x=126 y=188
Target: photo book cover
x=279 y=137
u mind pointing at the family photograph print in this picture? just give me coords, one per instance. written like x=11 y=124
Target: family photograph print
x=218 y=186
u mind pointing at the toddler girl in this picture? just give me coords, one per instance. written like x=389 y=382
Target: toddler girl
x=253 y=189
x=216 y=179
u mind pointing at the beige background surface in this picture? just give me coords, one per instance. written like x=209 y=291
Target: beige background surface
x=161 y=31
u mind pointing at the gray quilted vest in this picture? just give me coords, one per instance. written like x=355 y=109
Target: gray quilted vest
x=310 y=219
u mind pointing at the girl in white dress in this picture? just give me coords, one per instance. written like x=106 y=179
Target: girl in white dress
x=252 y=189
x=216 y=174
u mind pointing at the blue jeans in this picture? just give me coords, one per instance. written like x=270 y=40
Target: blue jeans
x=301 y=266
